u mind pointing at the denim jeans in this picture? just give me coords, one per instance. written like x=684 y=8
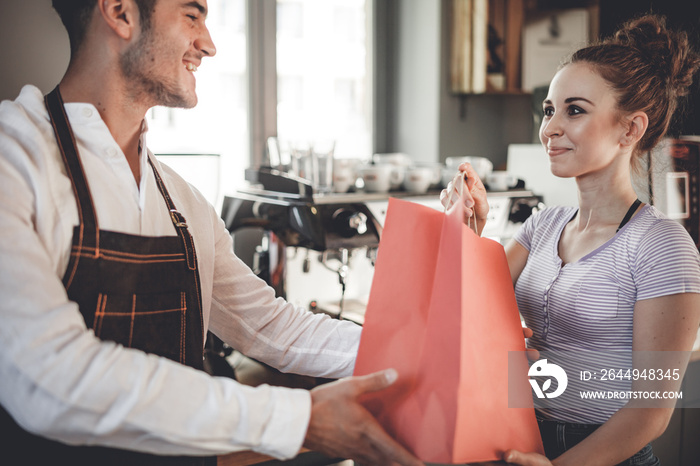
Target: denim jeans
x=558 y=437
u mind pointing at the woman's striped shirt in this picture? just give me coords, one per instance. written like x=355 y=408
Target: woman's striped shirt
x=586 y=307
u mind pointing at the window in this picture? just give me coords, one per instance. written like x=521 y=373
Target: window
x=323 y=76
x=219 y=122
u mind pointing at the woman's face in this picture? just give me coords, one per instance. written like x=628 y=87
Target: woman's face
x=581 y=129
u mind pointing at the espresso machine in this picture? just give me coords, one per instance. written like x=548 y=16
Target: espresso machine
x=303 y=228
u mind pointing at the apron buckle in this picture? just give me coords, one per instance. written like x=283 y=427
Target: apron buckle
x=178 y=218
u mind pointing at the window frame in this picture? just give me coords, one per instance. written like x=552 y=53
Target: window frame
x=261 y=32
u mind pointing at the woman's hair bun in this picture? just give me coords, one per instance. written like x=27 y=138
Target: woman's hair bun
x=667 y=52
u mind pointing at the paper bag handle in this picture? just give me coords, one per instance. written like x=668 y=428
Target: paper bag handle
x=459 y=182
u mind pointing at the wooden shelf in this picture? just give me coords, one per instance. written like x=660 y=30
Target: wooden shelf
x=487 y=41
x=485 y=46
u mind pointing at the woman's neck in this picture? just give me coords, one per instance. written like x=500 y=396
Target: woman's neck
x=604 y=201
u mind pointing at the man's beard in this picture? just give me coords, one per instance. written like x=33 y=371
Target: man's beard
x=134 y=66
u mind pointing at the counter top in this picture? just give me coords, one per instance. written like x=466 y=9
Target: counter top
x=253 y=193
x=306 y=457
x=246 y=458
x=242 y=458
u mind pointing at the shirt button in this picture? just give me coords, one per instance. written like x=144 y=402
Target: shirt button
x=87 y=112
x=111 y=151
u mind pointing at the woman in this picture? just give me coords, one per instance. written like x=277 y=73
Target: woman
x=613 y=274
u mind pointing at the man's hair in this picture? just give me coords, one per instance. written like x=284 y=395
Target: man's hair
x=76 y=15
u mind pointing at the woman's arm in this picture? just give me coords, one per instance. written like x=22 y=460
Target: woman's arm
x=517 y=256
x=669 y=324
x=666 y=328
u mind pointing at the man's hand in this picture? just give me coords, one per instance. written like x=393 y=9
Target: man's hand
x=341 y=427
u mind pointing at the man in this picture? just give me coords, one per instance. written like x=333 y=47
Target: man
x=113 y=269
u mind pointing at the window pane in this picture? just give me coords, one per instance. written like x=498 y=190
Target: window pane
x=323 y=84
x=219 y=123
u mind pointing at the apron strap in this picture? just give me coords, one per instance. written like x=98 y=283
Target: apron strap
x=89 y=230
x=177 y=218
x=628 y=215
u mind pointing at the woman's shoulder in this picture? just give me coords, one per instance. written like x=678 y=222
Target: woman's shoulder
x=651 y=221
x=664 y=258
x=653 y=230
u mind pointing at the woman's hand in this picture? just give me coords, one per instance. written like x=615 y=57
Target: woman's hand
x=532 y=354
x=475 y=202
x=525 y=459
x=517 y=457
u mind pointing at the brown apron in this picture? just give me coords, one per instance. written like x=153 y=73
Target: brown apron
x=142 y=292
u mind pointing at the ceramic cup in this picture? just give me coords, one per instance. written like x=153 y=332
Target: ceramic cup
x=448 y=175
x=400 y=161
x=394 y=158
x=398 y=175
x=436 y=168
x=482 y=166
x=377 y=178
x=418 y=179
x=501 y=180
x=344 y=174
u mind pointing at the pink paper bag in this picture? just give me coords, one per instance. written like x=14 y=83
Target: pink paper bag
x=442 y=312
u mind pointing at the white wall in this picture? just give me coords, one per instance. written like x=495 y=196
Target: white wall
x=34 y=48
x=416 y=119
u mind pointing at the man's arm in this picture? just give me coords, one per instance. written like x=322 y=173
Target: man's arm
x=247 y=315
x=60 y=381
